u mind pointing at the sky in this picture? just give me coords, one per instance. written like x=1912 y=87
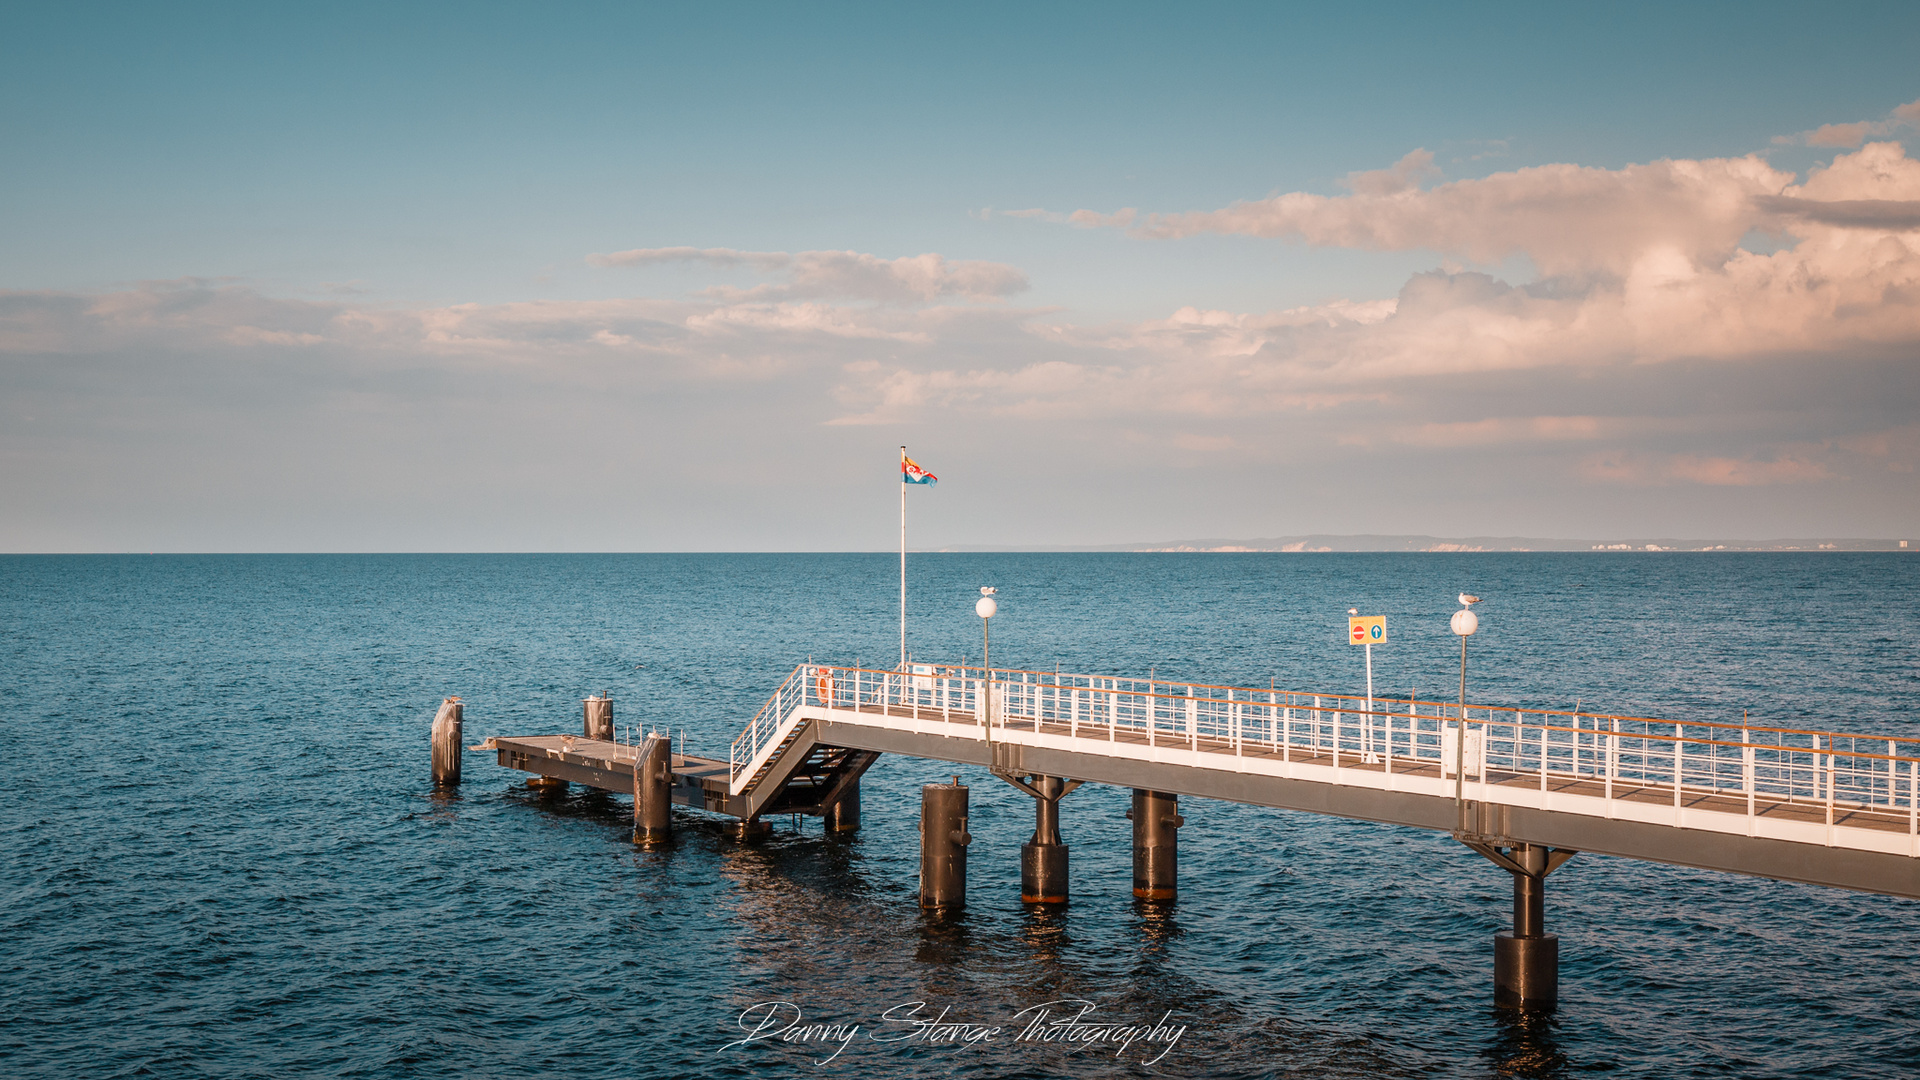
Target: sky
x=639 y=278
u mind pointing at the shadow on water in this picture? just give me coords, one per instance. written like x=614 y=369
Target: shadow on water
x=1526 y=1044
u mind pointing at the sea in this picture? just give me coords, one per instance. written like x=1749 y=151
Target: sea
x=224 y=855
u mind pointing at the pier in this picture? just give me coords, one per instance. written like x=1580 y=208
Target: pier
x=1528 y=789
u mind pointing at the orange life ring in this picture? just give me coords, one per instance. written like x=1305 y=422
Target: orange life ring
x=823 y=686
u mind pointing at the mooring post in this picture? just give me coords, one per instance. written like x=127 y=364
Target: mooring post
x=943 y=845
x=599 y=718
x=844 y=815
x=1526 y=960
x=1156 y=852
x=446 y=744
x=652 y=791
x=1043 y=859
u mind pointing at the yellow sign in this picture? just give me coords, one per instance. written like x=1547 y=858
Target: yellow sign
x=1367 y=629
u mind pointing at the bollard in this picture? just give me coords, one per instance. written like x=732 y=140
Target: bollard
x=1156 y=851
x=844 y=815
x=599 y=718
x=652 y=791
x=943 y=845
x=1526 y=960
x=446 y=744
x=1043 y=859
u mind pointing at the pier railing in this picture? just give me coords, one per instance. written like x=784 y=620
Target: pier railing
x=1622 y=754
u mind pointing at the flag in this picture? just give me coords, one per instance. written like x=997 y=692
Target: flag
x=912 y=473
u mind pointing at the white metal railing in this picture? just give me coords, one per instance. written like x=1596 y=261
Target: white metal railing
x=1621 y=754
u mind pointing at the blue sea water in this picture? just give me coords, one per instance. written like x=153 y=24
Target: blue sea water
x=224 y=858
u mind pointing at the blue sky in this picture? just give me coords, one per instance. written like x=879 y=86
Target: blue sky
x=245 y=253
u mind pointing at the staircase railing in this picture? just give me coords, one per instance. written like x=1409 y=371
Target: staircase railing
x=768 y=728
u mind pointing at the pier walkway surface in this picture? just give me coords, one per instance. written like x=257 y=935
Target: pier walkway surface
x=1815 y=807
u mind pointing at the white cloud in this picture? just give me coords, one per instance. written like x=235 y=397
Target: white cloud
x=917 y=279
x=1569 y=219
x=1850 y=135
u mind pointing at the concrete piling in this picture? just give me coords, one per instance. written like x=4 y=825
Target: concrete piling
x=598 y=718
x=1526 y=960
x=844 y=815
x=943 y=845
x=446 y=744
x=1156 y=852
x=1043 y=859
x=652 y=791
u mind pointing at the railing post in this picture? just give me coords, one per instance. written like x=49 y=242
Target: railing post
x=1892 y=777
x=1318 y=719
x=1678 y=764
x=1747 y=779
x=1543 y=750
x=1613 y=758
x=1831 y=764
x=1150 y=723
x=1336 y=741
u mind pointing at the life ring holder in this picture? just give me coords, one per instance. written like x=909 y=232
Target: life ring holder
x=823 y=686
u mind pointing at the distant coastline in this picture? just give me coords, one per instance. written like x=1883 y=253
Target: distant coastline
x=1329 y=542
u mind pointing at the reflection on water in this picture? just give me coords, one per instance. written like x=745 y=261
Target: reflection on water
x=946 y=937
x=1158 y=927
x=1525 y=1044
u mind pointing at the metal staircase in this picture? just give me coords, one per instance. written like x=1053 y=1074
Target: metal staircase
x=818 y=778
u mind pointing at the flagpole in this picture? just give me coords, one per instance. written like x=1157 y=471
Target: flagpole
x=903 y=558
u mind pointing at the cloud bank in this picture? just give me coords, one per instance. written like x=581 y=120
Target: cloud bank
x=854 y=275
x=1654 y=356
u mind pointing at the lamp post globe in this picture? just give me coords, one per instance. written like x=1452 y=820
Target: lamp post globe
x=986 y=608
x=1465 y=622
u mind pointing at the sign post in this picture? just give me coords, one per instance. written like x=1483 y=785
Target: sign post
x=1368 y=630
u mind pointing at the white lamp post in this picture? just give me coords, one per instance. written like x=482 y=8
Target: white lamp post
x=1366 y=744
x=1465 y=622
x=986 y=607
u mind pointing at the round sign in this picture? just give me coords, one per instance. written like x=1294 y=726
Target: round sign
x=1377 y=631
x=1359 y=632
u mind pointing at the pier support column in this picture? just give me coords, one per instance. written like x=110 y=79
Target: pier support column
x=1156 y=852
x=1526 y=959
x=844 y=815
x=599 y=718
x=446 y=744
x=943 y=845
x=652 y=790
x=1043 y=859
